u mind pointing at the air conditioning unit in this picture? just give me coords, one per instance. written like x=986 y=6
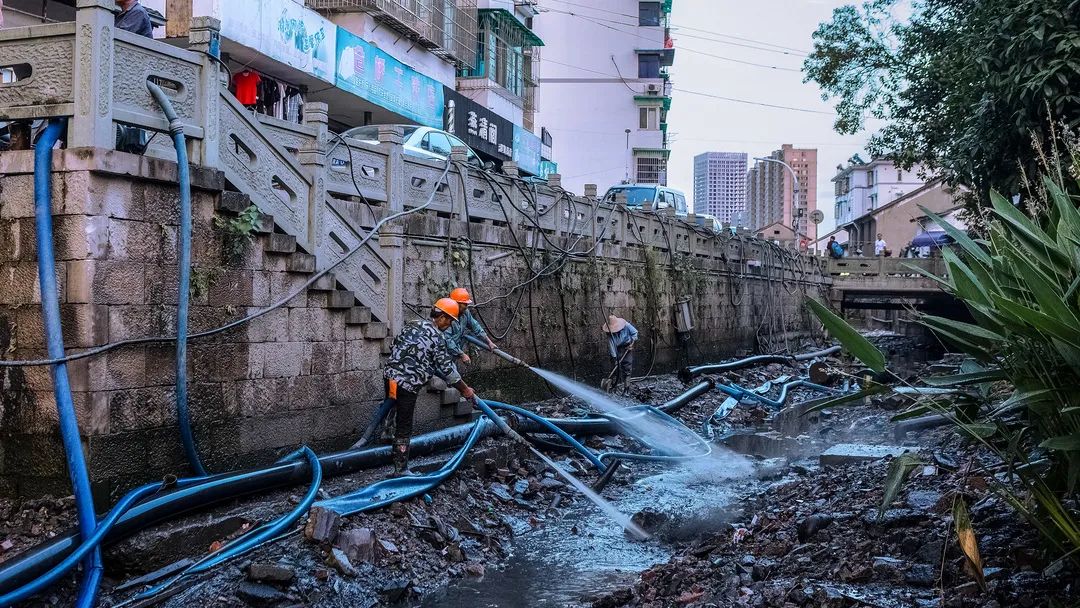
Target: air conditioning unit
x=652 y=89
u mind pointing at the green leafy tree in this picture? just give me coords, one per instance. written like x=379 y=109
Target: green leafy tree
x=962 y=85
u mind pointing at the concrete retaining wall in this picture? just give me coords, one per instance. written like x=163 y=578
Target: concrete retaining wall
x=305 y=373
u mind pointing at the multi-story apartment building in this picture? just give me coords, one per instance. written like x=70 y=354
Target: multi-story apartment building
x=861 y=187
x=771 y=191
x=720 y=185
x=605 y=91
x=379 y=62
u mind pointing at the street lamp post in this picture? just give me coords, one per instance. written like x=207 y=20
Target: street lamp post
x=627 y=177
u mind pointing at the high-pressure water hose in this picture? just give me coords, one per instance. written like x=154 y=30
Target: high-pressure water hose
x=54 y=340
x=257 y=536
x=92 y=543
x=183 y=415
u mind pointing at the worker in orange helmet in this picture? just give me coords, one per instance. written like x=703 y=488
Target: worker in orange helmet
x=466 y=324
x=417 y=354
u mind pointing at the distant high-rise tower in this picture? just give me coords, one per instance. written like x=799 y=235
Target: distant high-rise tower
x=720 y=185
x=770 y=191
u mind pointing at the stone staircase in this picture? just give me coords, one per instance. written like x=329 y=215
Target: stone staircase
x=275 y=242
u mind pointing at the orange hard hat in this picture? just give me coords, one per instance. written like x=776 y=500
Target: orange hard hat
x=461 y=295
x=450 y=307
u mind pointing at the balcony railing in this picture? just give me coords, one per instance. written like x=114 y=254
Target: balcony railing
x=447 y=28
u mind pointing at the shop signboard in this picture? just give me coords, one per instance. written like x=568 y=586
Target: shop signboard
x=484 y=131
x=283 y=30
x=527 y=150
x=366 y=71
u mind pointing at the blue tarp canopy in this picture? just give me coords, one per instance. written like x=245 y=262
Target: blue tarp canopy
x=934 y=238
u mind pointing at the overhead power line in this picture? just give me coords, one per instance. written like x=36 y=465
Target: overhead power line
x=684 y=49
x=778 y=47
x=688 y=92
x=754 y=103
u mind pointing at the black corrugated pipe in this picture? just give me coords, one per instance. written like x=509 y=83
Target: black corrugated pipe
x=687 y=374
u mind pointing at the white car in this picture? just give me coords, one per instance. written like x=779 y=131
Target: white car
x=638 y=195
x=423 y=142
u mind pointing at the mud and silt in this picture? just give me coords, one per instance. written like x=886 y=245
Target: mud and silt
x=775 y=529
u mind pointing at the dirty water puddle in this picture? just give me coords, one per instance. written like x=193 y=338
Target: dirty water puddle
x=577 y=557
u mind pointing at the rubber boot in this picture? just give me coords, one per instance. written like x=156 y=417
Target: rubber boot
x=401 y=459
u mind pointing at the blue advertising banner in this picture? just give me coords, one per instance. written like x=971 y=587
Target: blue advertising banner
x=364 y=70
x=547 y=168
x=527 y=148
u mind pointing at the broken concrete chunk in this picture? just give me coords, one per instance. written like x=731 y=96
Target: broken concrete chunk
x=340 y=562
x=256 y=594
x=270 y=573
x=501 y=492
x=322 y=525
x=853 y=453
x=358 y=545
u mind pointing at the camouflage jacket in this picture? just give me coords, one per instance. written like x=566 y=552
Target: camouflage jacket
x=455 y=336
x=418 y=353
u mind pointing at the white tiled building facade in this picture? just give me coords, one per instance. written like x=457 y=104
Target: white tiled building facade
x=720 y=185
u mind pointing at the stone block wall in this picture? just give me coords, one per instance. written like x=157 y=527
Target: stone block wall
x=555 y=322
x=308 y=372
x=299 y=374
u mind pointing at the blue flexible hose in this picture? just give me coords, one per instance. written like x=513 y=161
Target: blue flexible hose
x=255 y=537
x=389 y=491
x=54 y=339
x=782 y=397
x=553 y=429
x=183 y=293
x=90 y=544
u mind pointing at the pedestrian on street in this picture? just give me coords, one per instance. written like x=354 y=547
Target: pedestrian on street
x=621 y=339
x=880 y=245
x=417 y=354
x=834 y=248
x=465 y=324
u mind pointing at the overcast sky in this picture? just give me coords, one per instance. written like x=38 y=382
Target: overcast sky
x=700 y=124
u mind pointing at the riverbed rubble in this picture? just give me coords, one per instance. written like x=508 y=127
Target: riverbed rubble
x=805 y=529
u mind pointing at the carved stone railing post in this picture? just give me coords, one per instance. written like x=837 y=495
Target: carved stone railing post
x=93 y=124
x=392 y=236
x=205 y=37
x=459 y=155
x=313 y=158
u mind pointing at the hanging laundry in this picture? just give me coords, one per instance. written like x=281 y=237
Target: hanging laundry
x=246 y=84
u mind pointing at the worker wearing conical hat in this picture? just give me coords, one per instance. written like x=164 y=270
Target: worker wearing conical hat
x=622 y=336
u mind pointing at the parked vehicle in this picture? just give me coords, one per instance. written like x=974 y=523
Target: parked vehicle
x=423 y=142
x=638 y=195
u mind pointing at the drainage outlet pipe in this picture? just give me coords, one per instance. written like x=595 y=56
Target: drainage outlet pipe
x=54 y=340
x=687 y=374
x=499 y=353
x=183 y=416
